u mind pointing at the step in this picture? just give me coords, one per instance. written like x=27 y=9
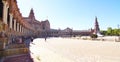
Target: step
x=16 y=46
x=19 y=58
x=16 y=51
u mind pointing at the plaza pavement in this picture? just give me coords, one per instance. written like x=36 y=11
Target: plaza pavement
x=74 y=50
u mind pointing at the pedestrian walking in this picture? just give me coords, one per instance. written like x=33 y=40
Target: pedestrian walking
x=32 y=39
x=45 y=39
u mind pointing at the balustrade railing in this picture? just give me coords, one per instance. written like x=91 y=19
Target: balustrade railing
x=12 y=46
x=16 y=51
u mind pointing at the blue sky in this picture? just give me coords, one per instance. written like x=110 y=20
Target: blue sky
x=76 y=14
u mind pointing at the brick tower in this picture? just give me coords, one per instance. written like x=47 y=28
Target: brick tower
x=31 y=15
x=96 y=28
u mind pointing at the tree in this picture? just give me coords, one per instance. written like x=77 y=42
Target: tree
x=93 y=36
x=103 y=32
x=109 y=31
x=115 y=32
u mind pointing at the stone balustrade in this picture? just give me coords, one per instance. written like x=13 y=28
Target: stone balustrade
x=12 y=46
x=16 y=51
x=12 y=26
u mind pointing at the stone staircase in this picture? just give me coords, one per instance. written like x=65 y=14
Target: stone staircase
x=14 y=52
x=19 y=58
x=14 y=49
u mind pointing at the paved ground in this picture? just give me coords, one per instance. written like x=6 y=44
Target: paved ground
x=20 y=58
x=41 y=53
x=73 y=50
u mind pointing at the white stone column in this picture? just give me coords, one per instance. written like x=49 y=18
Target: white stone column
x=11 y=17
x=22 y=29
x=5 y=11
x=18 y=27
x=15 y=24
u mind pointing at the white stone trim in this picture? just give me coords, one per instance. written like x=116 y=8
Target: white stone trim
x=15 y=24
x=18 y=27
x=11 y=17
x=5 y=9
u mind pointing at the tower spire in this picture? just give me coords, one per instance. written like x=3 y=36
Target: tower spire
x=96 y=28
x=31 y=15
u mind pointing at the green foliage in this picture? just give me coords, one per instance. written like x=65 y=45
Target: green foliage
x=111 y=32
x=104 y=32
x=93 y=36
